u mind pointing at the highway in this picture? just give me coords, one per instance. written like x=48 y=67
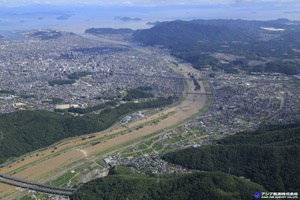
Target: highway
x=49 y=189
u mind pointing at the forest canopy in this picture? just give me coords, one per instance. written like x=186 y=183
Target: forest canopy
x=269 y=157
x=26 y=131
x=199 y=185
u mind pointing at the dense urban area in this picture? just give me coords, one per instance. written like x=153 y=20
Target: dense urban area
x=71 y=71
x=68 y=73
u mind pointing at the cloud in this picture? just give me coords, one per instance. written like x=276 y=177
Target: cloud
x=128 y=3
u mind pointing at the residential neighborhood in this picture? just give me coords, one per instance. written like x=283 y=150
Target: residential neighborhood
x=34 y=73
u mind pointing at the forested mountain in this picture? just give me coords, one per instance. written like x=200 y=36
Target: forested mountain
x=197 y=41
x=204 y=185
x=269 y=157
x=26 y=131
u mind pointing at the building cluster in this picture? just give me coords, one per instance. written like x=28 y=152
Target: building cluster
x=248 y=101
x=240 y=102
x=152 y=162
x=29 y=65
x=147 y=163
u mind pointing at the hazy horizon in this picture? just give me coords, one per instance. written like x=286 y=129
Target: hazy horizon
x=17 y=15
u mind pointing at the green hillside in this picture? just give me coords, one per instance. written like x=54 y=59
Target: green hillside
x=269 y=157
x=204 y=185
x=26 y=131
x=196 y=41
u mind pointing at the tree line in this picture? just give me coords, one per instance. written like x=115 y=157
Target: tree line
x=198 y=185
x=26 y=131
x=268 y=156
